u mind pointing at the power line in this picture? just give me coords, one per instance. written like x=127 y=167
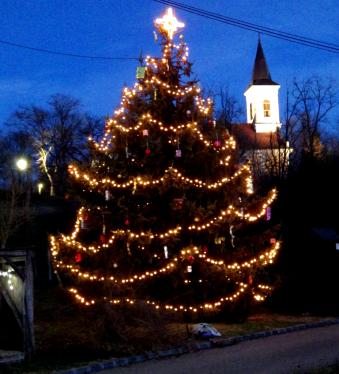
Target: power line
x=65 y=53
x=294 y=38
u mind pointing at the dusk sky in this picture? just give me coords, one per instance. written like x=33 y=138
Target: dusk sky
x=222 y=54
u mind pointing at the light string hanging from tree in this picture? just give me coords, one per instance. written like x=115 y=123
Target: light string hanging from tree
x=265 y=258
x=169 y=173
x=174 y=231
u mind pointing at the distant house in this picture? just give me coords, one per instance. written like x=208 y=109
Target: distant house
x=259 y=139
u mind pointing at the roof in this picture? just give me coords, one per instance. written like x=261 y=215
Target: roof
x=261 y=74
x=248 y=139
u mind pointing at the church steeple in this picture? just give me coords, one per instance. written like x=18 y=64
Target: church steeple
x=262 y=96
x=261 y=74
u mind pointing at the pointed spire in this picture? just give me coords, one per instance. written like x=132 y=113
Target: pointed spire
x=261 y=74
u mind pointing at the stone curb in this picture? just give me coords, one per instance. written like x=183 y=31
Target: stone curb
x=193 y=347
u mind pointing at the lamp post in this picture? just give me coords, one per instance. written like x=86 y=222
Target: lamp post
x=21 y=164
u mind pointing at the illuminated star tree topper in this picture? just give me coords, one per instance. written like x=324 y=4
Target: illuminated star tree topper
x=169 y=23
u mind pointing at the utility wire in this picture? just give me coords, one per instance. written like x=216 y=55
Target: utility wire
x=65 y=53
x=329 y=47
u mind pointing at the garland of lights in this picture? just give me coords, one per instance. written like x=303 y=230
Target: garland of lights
x=210 y=306
x=70 y=240
x=169 y=173
x=264 y=258
x=229 y=144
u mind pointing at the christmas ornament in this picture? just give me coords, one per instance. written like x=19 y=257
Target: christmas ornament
x=104 y=229
x=77 y=257
x=178 y=203
x=127 y=153
x=232 y=236
x=141 y=72
x=155 y=94
x=83 y=220
x=268 y=213
x=166 y=251
x=178 y=153
x=190 y=258
x=126 y=222
x=189 y=269
x=147 y=151
x=273 y=240
x=188 y=113
x=217 y=143
x=145 y=132
x=205 y=249
x=250 y=280
x=115 y=265
x=107 y=195
x=102 y=238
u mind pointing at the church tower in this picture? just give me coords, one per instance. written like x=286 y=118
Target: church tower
x=262 y=97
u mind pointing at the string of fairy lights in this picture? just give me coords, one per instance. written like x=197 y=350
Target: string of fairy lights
x=171 y=172
x=210 y=306
x=120 y=127
x=265 y=258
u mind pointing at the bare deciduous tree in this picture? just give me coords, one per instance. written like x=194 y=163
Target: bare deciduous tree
x=58 y=134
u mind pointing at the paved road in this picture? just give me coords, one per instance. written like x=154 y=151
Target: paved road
x=278 y=354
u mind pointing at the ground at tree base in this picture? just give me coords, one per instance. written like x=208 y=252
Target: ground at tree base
x=68 y=337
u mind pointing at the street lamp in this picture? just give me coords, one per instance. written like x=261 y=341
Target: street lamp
x=21 y=164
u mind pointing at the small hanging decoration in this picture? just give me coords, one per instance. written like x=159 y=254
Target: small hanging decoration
x=83 y=220
x=190 y=259
x=178 y=151
x=188 y=113
x=145 y=132
x=166 y=251
x=128 y=248
x=250 y=280
x=126 y=222
x=155 y=94
x=178 y=203
x=126 y=150
x=104 y=229
x=78 y=257
x=155 y=35
x=189 y=269
x=107 y=195
x=217 y=143
x=232 y=236
x=141 y=72
x=102 y=238
x=273 y=240
x=147 y=152
x=268 y=213
x=115 y=265
x=205 y=249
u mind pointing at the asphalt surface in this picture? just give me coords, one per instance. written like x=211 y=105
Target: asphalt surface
x=295 y=352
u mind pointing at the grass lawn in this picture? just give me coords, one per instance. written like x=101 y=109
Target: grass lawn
x=69 y=335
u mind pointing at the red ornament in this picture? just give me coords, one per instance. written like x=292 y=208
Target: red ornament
x=190 y=259
x=145 y=132
x=217 y=143
x=204 y=249
x=102 y=238
x=147 y=152
x=77 y=257
x=250 y=279
x=126 y=222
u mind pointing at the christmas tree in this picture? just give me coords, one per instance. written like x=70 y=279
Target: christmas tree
x=169 y=217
